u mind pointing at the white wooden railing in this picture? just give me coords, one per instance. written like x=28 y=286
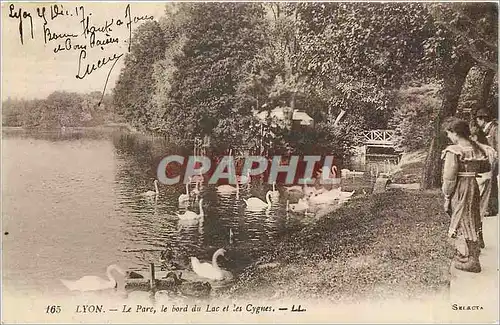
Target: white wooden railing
x=379 y=137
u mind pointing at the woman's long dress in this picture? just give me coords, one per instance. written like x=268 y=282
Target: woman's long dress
x=461 y=166
x=488 y=187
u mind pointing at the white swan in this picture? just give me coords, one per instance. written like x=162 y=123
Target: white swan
x=254 y=203
x=325 y=197
x=302 y=205
x=345 y=196
x=211 y=270
x=228 y=189
x=94 y=283
x=295 y=188
x=196 y=190
x=153 y=193
x=275 y=195
x=184 y=197
x=190 y=215
x=334 y=171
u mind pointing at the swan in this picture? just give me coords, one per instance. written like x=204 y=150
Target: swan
x=345 y=196
x=275 y=195
x=184 y=204
x=254 y=203
x=326 y=197
x=309 y=191
x=302 y=205
x=334 y=172
x=94 y=283
x=301 y=189
x=228 y=189
x=184 y=197
x=153 y=193
x=190 y=215
x=211 y=270
x=196 y=190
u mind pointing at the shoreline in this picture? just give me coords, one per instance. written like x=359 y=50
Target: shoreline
x=391 y=245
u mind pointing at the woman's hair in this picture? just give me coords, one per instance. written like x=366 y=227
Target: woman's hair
x=458 y=126
x=476 y=131
x=461 y=128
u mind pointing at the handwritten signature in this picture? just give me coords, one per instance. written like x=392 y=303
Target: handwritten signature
x=91 y=36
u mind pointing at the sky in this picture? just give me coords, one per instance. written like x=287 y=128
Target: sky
x=34 y=70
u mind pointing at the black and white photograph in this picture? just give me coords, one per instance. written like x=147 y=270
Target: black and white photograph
x=249 y=162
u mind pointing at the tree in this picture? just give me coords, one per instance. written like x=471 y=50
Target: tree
x=218 y=40
x=134 y=89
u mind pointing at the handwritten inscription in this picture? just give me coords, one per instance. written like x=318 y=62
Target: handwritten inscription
x=94 y=66
x=80 y=35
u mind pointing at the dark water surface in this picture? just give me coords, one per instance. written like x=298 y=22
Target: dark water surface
x=72 y=206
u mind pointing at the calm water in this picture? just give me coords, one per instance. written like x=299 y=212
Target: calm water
x=72 y=206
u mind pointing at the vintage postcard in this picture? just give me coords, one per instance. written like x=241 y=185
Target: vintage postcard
x=249 y=162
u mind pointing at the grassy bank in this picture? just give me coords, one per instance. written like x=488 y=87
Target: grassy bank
x=381 y=245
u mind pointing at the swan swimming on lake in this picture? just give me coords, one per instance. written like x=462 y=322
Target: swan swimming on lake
x=302 y=205
x=152 y=193
x=301 y=189
x=190 y=215
x=94 y=283
x=211 y=270
x=196 y=190
x=254 y=203
x=184 y=197
x=228 y=189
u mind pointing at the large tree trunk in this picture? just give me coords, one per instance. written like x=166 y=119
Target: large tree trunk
x=452 y=88
x=484 y=91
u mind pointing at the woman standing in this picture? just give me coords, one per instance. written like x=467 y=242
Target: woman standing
x=487 y=188
x=463 y=160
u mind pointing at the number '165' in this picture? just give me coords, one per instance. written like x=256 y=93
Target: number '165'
x=53 y=309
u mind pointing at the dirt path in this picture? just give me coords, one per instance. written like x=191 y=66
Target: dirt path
x=478 y=289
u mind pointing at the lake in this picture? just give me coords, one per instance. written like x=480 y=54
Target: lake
x=72 y=206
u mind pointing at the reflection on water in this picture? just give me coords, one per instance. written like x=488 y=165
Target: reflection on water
x=72 y=205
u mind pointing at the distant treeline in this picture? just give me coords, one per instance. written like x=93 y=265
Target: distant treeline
x=59 y=109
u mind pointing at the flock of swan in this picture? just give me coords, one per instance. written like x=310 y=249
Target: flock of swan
x=211 y=270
